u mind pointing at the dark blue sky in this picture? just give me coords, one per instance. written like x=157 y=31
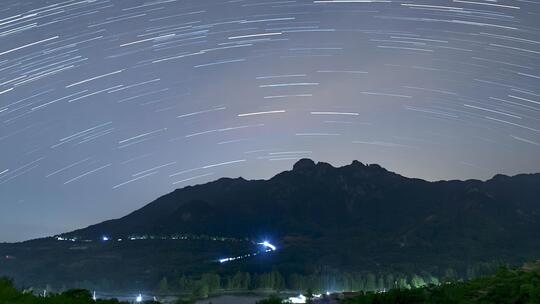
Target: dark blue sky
x=107 y=104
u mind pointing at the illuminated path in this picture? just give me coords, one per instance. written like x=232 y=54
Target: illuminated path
x=268 y=247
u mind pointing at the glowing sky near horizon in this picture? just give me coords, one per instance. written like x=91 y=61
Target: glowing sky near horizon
x=108 y=104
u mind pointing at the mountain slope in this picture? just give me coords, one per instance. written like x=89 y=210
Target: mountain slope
x=354 y=201
x=355 y=218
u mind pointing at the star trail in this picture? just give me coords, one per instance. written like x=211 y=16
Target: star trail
x=107 y=104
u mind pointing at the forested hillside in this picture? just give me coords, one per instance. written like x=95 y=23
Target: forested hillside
x=356 y=227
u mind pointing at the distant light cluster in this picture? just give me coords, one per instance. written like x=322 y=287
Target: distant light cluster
x=105 y=105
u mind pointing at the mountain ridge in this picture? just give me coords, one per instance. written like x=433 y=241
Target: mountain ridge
x=324 y=220
x=363 y=182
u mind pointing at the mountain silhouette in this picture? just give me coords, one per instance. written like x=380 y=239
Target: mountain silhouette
x=357 y=201
x=356 y=217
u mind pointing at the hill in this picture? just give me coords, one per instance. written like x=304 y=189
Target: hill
x=324 y=220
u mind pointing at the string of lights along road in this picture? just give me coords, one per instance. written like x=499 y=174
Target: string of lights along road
x=108 y=104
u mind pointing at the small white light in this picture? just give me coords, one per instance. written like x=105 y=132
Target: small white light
x=300 y=299
x=139 y=298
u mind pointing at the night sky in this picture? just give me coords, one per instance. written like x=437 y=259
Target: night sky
x=108 y=104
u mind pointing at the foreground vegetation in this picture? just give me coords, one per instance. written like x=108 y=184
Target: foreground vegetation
x=10 y=295
x=506 y=286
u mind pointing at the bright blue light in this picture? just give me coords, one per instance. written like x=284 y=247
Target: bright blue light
x=105 y=238
x=268 y=245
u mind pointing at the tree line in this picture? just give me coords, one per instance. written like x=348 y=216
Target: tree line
x=506 y=286
x=210 y=283
x=319 y=281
